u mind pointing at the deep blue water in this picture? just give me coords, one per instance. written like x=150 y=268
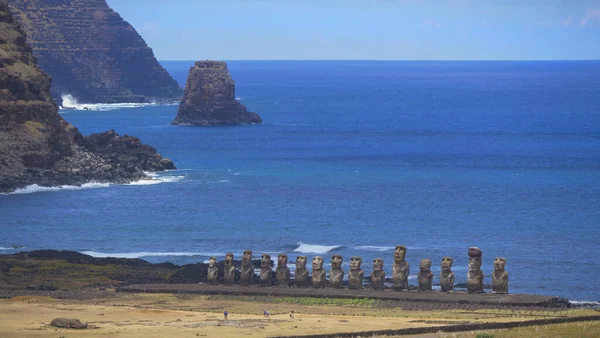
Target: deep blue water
x=360 y=156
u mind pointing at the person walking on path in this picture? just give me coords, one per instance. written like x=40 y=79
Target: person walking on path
x=225 y=314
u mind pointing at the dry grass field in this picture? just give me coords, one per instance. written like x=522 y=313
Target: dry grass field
x=167 y=315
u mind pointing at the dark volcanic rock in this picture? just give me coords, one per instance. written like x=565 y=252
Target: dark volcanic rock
x=92 y=53
x=209 y=98
x=37 y=146
x=68 y=323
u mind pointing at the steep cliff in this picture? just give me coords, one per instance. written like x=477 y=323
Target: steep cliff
x=92 y=53
x=209 y=98
x=37 y=146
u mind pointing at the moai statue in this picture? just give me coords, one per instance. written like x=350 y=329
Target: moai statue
x=356 y=274
x=212 y=276
x=282 y=273
x=265 y=270
x=378 y=276
x=247 y=270
x=229 y=273
x=400 y=269
x=425 y=275
x=475 y=275
x=500 y=276
x=301 y=273
x=318 y=273
x=447 y=276
x=336 y=274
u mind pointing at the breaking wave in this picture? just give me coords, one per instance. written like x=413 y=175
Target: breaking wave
x=37 y=188
x=155 y=178
x=70 y=103
x=374 y=248
x=314 y=248
x=148 y=254
x=3 y=248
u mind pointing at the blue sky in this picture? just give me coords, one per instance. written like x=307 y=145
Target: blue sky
x=373 y=30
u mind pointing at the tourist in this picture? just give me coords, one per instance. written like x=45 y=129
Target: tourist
x=225 y=314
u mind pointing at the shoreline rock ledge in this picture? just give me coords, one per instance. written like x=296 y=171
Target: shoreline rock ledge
x=209 y=98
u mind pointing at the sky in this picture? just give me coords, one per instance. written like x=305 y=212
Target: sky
x=366 y=29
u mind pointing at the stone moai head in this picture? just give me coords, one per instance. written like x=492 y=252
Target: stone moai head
x=499 y=263
x=265 y=261
x=474 y=259
x=229 y=258
x=355 y=263
x=247 y=258
x=212 y=261
x=446 y=263
x=425 y=264
x=282 y=260
x=378 y=264
x=336 y=261
x=301 y=262
x=317 y=263
x=400 y=253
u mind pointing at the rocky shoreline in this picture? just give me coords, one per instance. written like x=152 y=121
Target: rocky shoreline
x=71 y=271
x=37 y=146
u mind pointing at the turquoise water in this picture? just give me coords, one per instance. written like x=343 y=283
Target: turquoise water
x=354 y=158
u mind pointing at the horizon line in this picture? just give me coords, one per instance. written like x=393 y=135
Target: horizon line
x=393 y=60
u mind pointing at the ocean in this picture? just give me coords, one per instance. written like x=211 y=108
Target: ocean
x=355 y=157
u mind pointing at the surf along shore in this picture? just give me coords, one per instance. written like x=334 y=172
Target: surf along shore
x=131 y=297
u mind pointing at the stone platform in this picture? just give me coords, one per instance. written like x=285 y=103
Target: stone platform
x=520 y=300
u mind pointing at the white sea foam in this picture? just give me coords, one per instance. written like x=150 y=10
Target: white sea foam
x=155 y=178
x=315 y=249
x=148 y=254
x=3 y=248
x=69 y=102
x=374 y=248
x=36 y=188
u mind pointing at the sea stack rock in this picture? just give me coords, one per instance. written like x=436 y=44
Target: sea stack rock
x=209 y=98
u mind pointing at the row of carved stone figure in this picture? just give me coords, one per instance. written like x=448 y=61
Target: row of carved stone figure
x=400 y=272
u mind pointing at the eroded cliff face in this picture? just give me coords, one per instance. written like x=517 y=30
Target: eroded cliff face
x=37 y=146
x=92 y=53
x=209 y=98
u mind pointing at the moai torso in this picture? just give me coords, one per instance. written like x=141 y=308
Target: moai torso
x=212 y=275
x=318 y=274
x=336 y=274
x=229 y=271
x=425 y=275
x=378 y=276
x=282 y=273
x=447 y=276
x=247 y=270
x=500 y=276
x=475 y=275
x=301 y=273
x=400 y=269
x=266 y=272
x=356 y=274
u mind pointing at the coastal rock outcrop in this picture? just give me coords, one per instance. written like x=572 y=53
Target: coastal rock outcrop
x=92 y=53
x=209 y=98
x=37 y=146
